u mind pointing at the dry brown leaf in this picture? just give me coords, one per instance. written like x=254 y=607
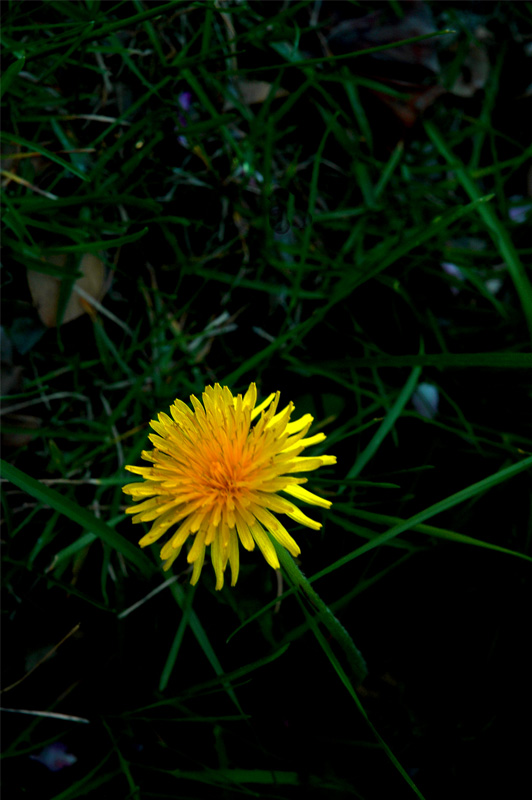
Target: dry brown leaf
x=24 y=422
x=412 y=69
x=408 y=110
x=10 y=378
x=253 y=92
x=378 y=28
x=475 y=72
x=45 y=289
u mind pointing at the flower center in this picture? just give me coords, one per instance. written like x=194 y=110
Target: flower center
x=224 y=478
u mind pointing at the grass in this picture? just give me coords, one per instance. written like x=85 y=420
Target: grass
x=317 y=234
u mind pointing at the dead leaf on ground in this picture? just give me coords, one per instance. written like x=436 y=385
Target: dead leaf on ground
x=474 y=73
x=45 y=289
x=23 y=422
x=409 y=110
x=378 y=28
x=411 y=69
x=252 y=92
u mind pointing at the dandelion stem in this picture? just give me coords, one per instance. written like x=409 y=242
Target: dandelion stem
x=324 y=613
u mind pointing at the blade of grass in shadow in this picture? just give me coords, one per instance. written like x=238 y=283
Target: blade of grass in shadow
x=73 y=46
x=442 y=360
x=77 y=514
x=86 y=785
x=366 y=533
x=95 y=33
x=176 y=644
x=429 y=530
x=69 y=588
x=437 y=508
x=349 y=686
x=201 y=688
x=307 y=62
x=361 y=586
x=413 y=523
x=10 y=138
x=124 y=765
x=239 y=778
x=91 y=247
x=324 y=613
x=39 y=745
x=10 y=73
x=277 y=599
x=203 y=640
x=237 y=674
x=387 y=253
x=235 y=777
x=497 y=230
x=301 y=262
x=382 y=257
x=387 y=424
x=389 y=168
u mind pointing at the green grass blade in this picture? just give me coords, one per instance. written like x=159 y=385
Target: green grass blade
x=11 y=72
x=92 y=247
x=349 y=686
x=431 y=530
x=496 y=229
x=384 y=255
x=234 y=777
x=203 y=640
x=307 y=62
x=389 y=421
x=77 y=514
x=234 y=675
x=443 y=361
x=104 y=30
x=176 y=644
x=443 y=505
x=10 y=138
x=324 y=613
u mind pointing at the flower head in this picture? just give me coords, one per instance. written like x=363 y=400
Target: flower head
x=219 y=476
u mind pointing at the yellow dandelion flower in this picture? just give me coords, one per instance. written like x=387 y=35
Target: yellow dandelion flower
x=218 y=476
